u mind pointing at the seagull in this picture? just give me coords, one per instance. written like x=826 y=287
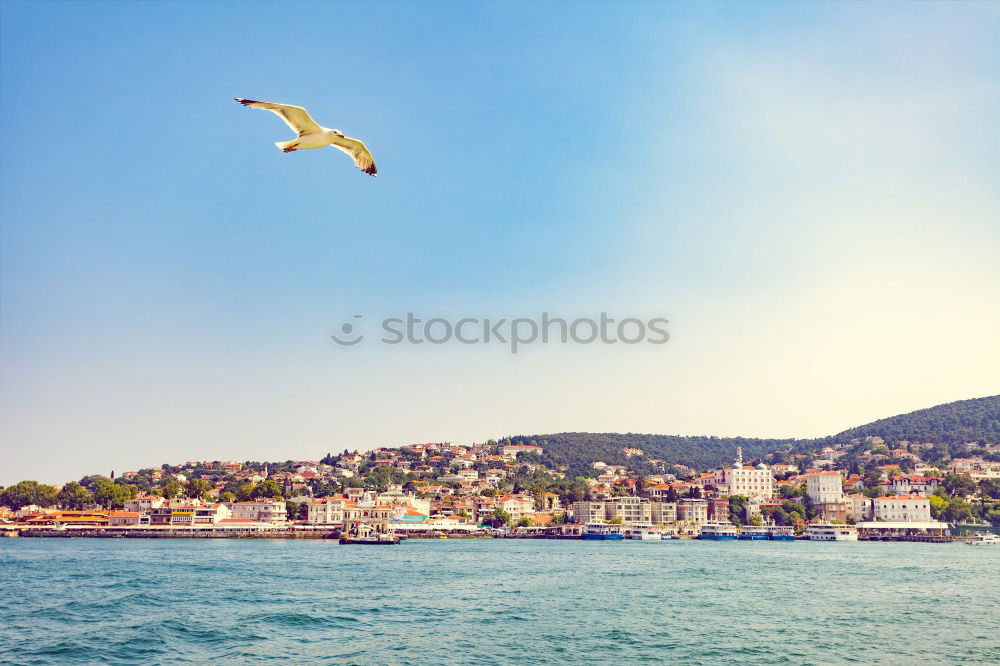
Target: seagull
x=312 y=135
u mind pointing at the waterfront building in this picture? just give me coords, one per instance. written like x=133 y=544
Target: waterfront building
x=124 y=518
x=326 y=511
x=262 y=511
x=902 y=508
x=631 y=510
x=211 y=514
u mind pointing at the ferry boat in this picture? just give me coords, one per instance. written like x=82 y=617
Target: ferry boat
x=830 y=532
x=984 y=539
x=372 y=540
x=602 y=532
x=780 y=533
x=644 y=533
x=714 y=531
x=752 y=533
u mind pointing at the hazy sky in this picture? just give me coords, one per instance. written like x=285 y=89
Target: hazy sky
x=808 y=192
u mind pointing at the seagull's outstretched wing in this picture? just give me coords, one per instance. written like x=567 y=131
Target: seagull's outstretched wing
x=295 y=117
x=359 y=152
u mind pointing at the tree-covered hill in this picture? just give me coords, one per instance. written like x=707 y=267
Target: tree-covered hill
x=579 y=450
x=962 y=421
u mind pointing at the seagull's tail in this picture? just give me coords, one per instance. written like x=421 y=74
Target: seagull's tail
x=287 y=146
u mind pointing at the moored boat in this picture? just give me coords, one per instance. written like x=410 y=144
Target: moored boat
x=984 y=539
x=753 y=533
x=716 y=531
x=831 y=532
x=644 y=533
x=602 y=532
x=375 y=540
x=780 y=533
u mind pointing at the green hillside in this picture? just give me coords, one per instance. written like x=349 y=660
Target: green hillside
x=962 y=421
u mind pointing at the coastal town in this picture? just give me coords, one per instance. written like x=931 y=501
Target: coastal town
x=862 y=489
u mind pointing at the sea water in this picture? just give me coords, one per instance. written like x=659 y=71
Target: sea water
x=67 y=601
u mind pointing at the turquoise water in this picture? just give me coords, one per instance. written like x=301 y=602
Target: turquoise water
x=66 y=601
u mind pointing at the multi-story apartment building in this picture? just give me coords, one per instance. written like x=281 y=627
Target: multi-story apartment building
x=262 y=511
x=588 y=512
x=631 y=510
x=663 y=513
x=692 y=510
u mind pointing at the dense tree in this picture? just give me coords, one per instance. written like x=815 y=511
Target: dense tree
x=74 y=496
x=27 y=493
x=498 y=518
x=267 y=488
x=737 y=508
x=111 y=495
x=938 y=506
x=959 y=511
x=989 y=488
x=197 y=488
x=171 y=489
x=959 y=485
x=993 y=515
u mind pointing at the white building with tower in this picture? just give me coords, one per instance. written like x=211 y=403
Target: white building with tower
x=745 y=480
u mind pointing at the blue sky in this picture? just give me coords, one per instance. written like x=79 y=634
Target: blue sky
x=808 y=192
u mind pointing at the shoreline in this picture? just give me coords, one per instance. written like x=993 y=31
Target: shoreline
x=112 y=533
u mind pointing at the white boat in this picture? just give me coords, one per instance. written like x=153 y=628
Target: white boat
x=602 y=532
x=644 y=534
x=718 y=531
x=984 y=539
x=831 y=532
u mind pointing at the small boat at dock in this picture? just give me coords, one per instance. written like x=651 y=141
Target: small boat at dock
x=984 y=539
